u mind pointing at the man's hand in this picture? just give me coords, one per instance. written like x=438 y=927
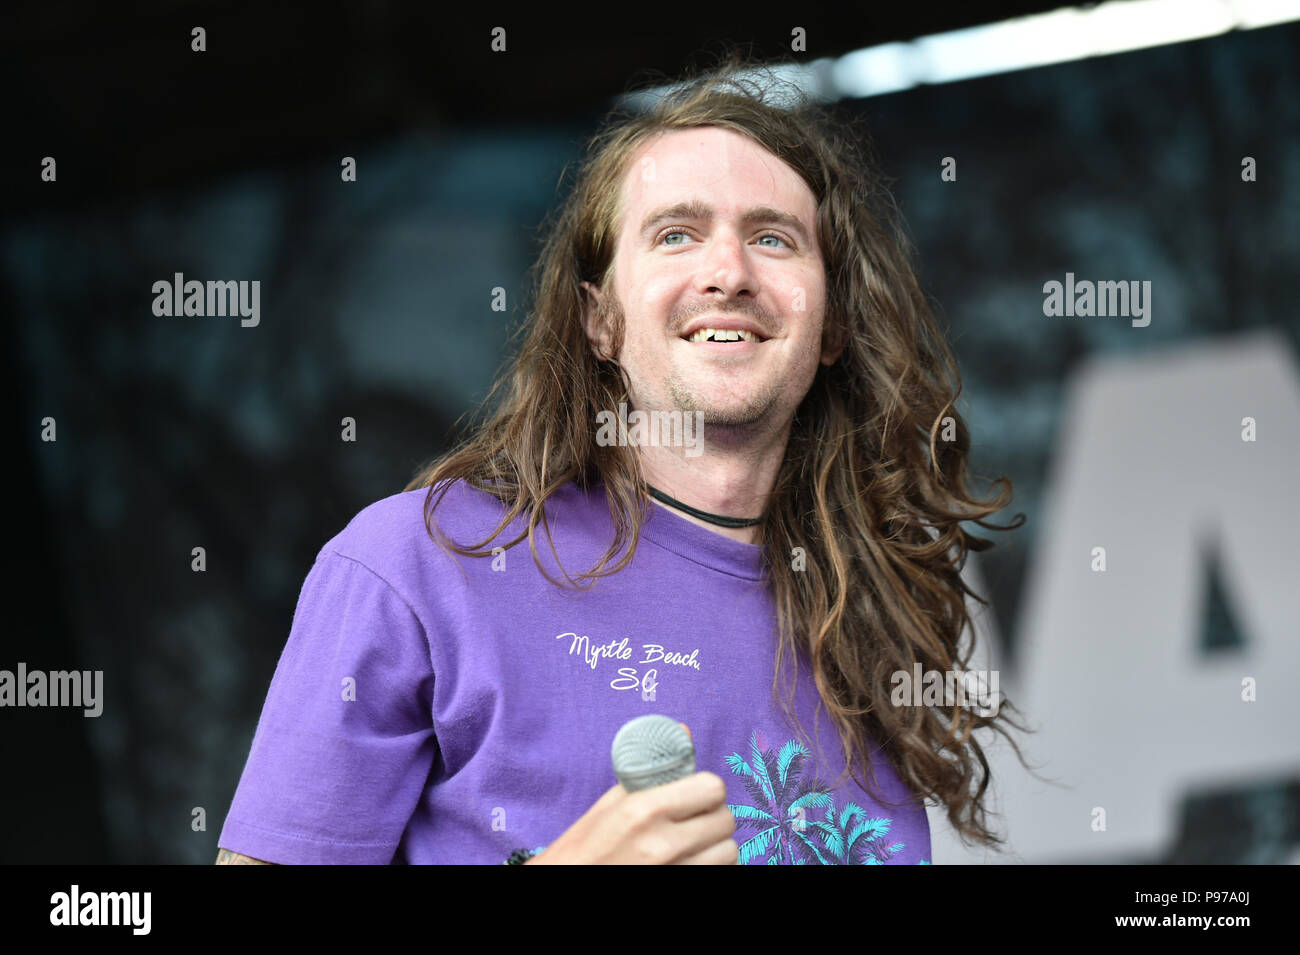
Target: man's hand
x=685 y=822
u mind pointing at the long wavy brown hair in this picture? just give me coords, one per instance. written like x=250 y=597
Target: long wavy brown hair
x=872 y=486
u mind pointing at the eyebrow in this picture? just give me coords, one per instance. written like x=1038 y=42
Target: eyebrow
x=699 y=210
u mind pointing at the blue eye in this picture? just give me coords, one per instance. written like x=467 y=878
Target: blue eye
x=682 y=232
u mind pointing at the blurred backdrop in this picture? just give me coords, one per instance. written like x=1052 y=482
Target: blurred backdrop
x=376 y=305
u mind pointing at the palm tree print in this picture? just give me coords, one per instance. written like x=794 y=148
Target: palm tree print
x=788 y=832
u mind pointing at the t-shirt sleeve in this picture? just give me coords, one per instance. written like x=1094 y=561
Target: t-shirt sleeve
x=345 y=742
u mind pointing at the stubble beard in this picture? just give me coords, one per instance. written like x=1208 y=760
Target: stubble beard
x=743 y=420
x=747 y=417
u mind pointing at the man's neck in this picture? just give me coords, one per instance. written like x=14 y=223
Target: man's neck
x=729 y=486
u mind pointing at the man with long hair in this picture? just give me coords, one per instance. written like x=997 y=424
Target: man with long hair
x=731 y=272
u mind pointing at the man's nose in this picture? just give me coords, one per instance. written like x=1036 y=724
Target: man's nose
x=727 y=268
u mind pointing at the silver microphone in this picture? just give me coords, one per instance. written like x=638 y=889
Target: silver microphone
x=652 y=750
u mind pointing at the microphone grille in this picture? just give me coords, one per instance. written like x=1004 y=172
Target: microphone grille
x=652 y=750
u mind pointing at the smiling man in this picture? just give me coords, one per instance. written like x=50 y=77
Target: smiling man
x=445 y=697
x=717 y=248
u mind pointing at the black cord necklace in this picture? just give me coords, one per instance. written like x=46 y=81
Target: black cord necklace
x=705 y=515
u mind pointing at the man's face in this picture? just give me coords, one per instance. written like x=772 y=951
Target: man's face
x=746 y=255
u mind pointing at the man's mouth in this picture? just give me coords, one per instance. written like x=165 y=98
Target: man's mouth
x=723 y=336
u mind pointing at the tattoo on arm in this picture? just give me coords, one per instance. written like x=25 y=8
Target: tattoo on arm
x=226 y=857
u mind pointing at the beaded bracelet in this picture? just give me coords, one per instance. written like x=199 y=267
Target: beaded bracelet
x=520 y=856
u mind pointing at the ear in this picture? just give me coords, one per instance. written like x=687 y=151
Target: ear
x=832 y=348
x=597 y=333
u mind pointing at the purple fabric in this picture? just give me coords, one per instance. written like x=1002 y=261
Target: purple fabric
x=431 y=710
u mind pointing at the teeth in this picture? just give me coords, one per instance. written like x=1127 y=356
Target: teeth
x=723 y=335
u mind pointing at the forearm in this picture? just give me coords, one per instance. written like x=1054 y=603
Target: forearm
x=226 y=857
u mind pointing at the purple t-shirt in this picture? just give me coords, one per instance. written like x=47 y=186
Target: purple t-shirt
x=427 y=709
